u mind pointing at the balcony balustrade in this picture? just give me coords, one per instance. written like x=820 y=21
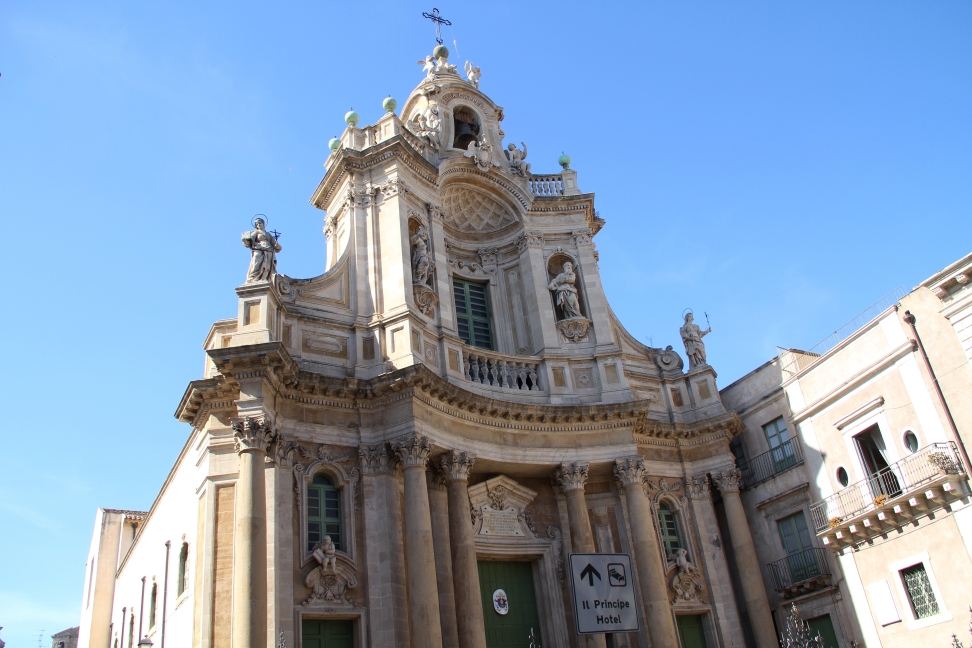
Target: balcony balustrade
x=897 y=494
x=507 y=372
x=547 y=185
x=801 y=572
x=769 y=464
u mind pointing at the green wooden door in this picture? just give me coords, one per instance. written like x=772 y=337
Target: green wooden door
x=690 y=631
x=327 y=634
x=824 y=626
x=513 y=629
x=796 y=541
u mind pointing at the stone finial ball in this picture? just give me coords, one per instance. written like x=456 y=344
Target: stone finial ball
x=334 y=144
x=441 y=51
x=564 y=160
x=351 y=118
x=389 y=105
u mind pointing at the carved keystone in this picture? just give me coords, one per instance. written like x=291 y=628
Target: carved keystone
x=413 y=450
x=630 y=471
x=456 y=465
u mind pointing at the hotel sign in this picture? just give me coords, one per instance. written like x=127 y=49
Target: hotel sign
x=604 y=599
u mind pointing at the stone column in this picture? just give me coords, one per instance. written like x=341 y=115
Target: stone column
x=571 y=478
x=439 y=508
x=423 y=596
x=383 y=542
x=630 y=473
x=465 y=569
x=750 y=575
x=253 y=438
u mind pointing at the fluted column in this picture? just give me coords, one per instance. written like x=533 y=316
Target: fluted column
x=439 y=508
x=630 y=473
x=571 y=478
x=750 y=575
x=465 y=569
x=423 y=596
x=253 y=438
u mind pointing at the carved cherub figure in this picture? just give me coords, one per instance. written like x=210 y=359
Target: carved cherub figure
x=473 y=73
x=326 y=555
x=516 y=157
x=428 y=65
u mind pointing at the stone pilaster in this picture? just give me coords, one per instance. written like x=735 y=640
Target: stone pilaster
x=571 y=478
x=714 y=563
x=455 y=466
x=383 y=541
x=630 y=474
x=439 y=509
x=413 y=452
x=750 y=574
x=253 y=436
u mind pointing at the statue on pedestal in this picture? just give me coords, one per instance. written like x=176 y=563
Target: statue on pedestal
x=566 y=292
x=421 y=262
x=692 y=336
x=263 y=252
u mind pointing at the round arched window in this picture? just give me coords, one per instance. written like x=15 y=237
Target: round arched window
x=911 y=441
x=842 y=476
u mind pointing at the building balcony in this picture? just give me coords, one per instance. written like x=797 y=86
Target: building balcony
x=902 y=492
x=801 y=573
x=769 y=464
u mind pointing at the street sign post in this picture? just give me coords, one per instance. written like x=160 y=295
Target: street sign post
x=604 y=599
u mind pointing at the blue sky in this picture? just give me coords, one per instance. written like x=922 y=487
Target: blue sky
x=778 y=165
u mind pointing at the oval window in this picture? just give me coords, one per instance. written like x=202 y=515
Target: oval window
x=911 y=441
x=842 y=476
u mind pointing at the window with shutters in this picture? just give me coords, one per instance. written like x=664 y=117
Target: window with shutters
x=669 y=529
x=323 y=512
x=183 y=583
x=472 y=313
x=153 y=604
x=919 y=589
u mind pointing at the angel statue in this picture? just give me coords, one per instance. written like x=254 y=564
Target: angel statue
x=428 y=66
x=426 y=125
x=692 y=336
x=421 y=263
x=563 y=286
x=263 y=252
x=473 y=73
x=516 y=157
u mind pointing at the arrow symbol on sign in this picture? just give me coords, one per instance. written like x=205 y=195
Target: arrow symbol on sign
x=589 y=573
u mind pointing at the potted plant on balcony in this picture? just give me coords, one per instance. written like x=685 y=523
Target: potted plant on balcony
x=944 y=462
x=835 y=521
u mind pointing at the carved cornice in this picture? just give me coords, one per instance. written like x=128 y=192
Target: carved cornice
x=571 y=476
x=269 y=360
x=727 y=480
x=202 y=396
x=728 y=425
x=253 y=434
x=629 y=471
x=413 y=450
x=456 y=465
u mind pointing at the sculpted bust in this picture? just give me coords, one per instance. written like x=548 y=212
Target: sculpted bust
x=263 y=252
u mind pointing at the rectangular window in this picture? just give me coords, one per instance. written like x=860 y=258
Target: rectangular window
x=796 y=540
x=472 y=313
x=919 y=590
x=781 y=451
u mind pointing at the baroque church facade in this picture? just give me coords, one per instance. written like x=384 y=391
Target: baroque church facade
x=446 y=413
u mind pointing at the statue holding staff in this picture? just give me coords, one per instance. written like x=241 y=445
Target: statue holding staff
x=263 y=252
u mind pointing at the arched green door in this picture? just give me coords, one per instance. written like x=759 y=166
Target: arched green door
x=511 y=630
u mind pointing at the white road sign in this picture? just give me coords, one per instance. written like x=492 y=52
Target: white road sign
x=604 y=599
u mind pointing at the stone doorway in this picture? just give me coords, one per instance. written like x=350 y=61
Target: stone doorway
x=510 y=630
x=327 y=634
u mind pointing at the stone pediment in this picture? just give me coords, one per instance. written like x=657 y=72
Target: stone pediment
x=499 y=506
x=470 y=210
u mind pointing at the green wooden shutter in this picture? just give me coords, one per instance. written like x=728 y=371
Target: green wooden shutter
x=472 y=313
x=690 y=631
x=323 y=512
x=669 y=529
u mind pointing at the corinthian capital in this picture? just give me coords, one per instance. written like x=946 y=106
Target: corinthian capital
x=630 y=471
x=571 y=476
x=456 y=465
x=727 y=479
x=253 y=433
x=413 y=450
x=374 y=459
x=698 y=487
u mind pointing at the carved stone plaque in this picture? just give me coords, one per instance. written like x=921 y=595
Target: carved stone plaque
x=500 y=522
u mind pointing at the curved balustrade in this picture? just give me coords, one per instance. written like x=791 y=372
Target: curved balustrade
x=508 y=372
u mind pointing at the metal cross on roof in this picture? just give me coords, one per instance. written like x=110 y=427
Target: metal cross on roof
x=439 y=21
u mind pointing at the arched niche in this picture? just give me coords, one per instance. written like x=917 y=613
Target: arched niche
x=466 y=126
x=555 y=267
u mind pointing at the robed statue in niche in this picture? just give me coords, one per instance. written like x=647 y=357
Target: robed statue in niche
x=263 y=252
x=692 y=336
x=565 y=291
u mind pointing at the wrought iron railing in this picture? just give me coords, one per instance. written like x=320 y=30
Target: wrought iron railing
x=900 y=478
x=799 y=567
x=764 y=466
x=509 y=372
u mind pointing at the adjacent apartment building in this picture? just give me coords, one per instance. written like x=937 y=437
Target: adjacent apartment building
x=855 y=470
